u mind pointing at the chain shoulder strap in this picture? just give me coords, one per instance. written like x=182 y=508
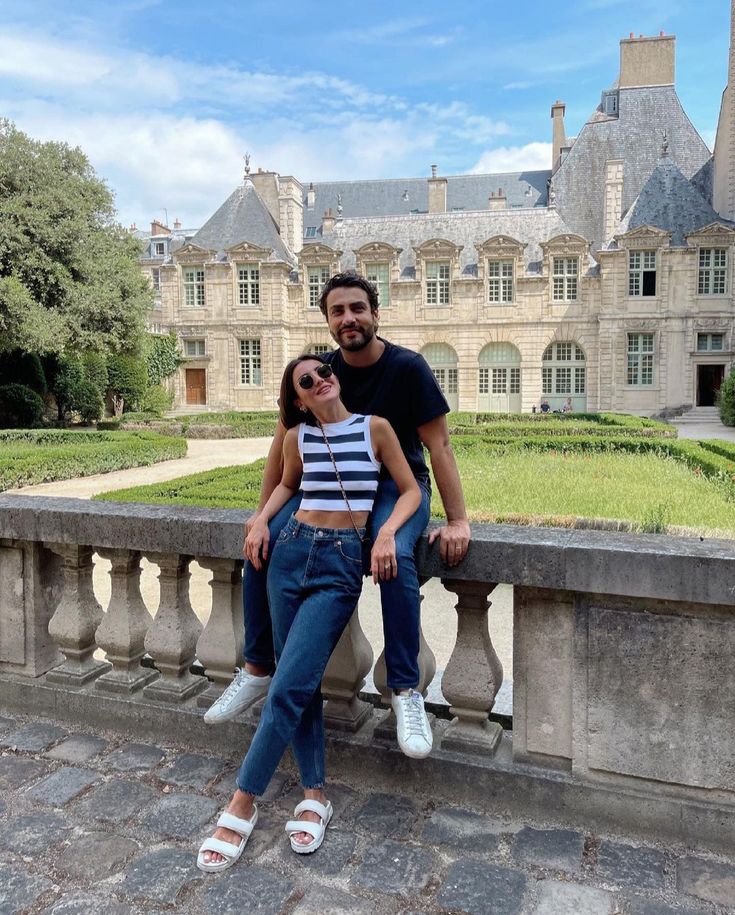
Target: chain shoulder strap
x=339 y=480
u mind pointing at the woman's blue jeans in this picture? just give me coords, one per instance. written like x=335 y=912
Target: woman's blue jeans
x=400 y=596
x=314 y=582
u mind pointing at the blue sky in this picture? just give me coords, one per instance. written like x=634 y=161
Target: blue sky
x=165 y=98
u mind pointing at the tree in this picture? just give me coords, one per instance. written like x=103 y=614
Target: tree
x=726 y=400
x=128 y=381
x=69 y=275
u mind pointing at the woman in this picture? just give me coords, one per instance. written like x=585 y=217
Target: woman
x=314 y=581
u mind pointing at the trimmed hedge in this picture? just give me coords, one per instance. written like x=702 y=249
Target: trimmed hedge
x=20 y=406
x=27 y=458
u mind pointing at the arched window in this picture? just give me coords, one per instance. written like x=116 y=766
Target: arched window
x=499 y=379
x=564 y=375
x=443 y=363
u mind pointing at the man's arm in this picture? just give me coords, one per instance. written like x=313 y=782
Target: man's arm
x=455 y=535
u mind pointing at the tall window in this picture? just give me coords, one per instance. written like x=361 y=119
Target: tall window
x=443 y=363
x=640 y=359
x=500 y=282
x=379 y=276
x=248 y=284
x=566 y=279
x=642 y=273
x=194 y=287
x=710 y=343
x=194 y=348
x=317 y=277
x=156 y=279
x=159 y=248
x=712 y=271
x=564 y=370
x=250 y=363
x=437 y=283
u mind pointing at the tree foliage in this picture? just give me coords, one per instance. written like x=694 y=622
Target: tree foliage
x=69 y=275
x=128 y=380
x=726 y=400
x=162 y=357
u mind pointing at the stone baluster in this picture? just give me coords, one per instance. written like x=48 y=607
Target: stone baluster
x=386 y=730
x=122 y=631
x=473 y=674
x=344 y=677
x=172 y=637
x=221 y=643
x=73 y=625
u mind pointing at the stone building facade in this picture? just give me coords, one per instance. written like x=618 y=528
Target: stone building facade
x=607 y=279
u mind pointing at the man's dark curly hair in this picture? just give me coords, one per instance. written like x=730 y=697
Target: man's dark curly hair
x=349 y=279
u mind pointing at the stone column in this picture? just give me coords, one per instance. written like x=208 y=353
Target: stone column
x=171 y=640
x=221 y=643
x=473 y=673
x=386 y=730
x=76 y=619
x=122 y=631
x=344 y=677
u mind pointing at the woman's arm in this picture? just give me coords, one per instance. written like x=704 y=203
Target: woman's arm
x=387 y=449
x=258 y=536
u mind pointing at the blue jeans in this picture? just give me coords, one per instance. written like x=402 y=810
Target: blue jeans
x=314 y=582
x=400 y=597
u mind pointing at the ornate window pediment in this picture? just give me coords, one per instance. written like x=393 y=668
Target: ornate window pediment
x=193 y=254
x=714 y=235
x=567 y=245
x=319 y=253
x=377 y=251
x=438 y=249
x=644 y=237
x=246 y=251
x=500 y=246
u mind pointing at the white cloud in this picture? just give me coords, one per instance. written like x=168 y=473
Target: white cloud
x=531 y=157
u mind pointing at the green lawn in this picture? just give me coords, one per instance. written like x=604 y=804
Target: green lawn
x=648 y=491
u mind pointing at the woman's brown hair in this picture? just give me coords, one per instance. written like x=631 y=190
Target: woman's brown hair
x=290 y=414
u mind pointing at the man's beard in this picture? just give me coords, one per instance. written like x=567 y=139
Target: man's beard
x=357 y=343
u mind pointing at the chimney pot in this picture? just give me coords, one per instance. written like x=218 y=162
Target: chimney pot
x=632 y=35
x=433 y=171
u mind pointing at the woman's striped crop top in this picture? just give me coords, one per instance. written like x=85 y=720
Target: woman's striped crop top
x=358 y=467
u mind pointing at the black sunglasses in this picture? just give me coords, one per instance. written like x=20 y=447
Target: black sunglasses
x=307 y=381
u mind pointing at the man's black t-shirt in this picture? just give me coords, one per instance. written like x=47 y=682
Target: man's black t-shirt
x=399 y=387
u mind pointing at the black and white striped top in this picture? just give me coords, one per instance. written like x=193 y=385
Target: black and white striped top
x=358 y=467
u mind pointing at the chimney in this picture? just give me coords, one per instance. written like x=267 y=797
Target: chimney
x=497 y=201
x=177 y=223
x=158 y=228
x=133 y=228
x=723 y=191
x=647 y=61
x=437 y=193
x=291 y=213
x=310 y=197
x=558 y=134
x=613 y=200
x=328 y=221
x=266 y=184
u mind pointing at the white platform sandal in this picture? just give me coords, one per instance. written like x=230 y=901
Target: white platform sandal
x=317 y=830
x=230 y=851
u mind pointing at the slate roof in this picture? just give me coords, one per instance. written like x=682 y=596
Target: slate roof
x=670 y=202
x=636 y=136
x=401 y=196
x=531 y=226
x=243 y=217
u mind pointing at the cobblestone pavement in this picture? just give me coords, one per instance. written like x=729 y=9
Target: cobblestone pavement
x=94 y=823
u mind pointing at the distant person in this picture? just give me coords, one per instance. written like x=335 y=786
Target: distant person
x=545 y=408
x=567 y=408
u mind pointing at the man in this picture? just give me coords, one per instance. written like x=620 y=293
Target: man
x=377 y=377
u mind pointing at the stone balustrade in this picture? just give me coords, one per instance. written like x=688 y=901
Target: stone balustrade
x=624 y=687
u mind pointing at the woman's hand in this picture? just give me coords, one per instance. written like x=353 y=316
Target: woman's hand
x=256 y=542
x=383 y=563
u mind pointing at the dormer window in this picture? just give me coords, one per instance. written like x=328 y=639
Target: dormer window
x=610 y=103
x=311 y=231
x=565 y=279
x=437 y=282
x=159 y=248
x=642 y=273
x=317 y=277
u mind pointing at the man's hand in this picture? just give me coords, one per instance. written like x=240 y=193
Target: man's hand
x=454 y=539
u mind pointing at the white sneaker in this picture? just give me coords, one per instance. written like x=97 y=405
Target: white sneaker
x=244 y=691
x=414 y=733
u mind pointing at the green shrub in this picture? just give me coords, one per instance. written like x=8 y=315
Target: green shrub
x=726 y=400
x=128 y=379
x=18 y=367
x=19 y=406
x=162 y=357
x=156 y=400
x=87 y=400
x=58 y=454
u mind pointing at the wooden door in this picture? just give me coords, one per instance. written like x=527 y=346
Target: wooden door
x=196 y=386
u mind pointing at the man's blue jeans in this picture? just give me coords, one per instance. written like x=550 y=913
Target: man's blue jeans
x=399 y=597
x=314 y=582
